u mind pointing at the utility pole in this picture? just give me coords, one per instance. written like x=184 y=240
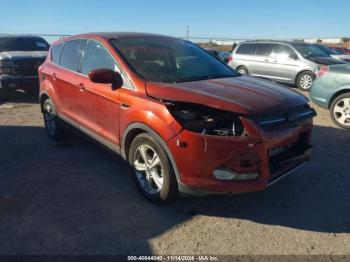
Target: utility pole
x=187 y=31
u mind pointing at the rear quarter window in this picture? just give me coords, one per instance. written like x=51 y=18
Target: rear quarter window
x=246 y=49
x=56 y=53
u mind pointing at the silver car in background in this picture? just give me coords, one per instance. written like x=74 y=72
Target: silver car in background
x=288 y=62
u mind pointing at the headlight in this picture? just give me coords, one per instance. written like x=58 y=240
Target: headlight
x=206 y=120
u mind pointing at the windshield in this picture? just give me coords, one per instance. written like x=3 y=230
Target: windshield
x=169 y=60
x=23 y=44
x=310 y=51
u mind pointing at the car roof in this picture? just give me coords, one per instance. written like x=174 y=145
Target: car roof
x=114 y=35
x=273 y=42
x=20 y=36
x=110 y=35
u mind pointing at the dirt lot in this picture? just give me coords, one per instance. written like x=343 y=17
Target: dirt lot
x=75 y=198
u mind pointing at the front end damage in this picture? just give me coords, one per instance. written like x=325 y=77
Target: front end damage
x=221 y=152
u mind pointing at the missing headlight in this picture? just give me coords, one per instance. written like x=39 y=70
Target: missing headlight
x=206 y=120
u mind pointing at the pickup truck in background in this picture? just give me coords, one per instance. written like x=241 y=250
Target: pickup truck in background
x=20 y=58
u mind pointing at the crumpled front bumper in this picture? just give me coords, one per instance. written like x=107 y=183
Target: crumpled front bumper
x=197 y=157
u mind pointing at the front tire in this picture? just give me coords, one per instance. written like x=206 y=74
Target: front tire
x=53 y=126
x=305 y=81
x=152 y=170
x=340 y=111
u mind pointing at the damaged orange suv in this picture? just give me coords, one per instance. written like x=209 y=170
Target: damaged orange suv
x=184 y=121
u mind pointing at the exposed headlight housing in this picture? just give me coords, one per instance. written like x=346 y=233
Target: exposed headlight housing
x=207 y=120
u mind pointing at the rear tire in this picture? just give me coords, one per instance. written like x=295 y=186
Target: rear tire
x=152 y=171
x=53 y=125
x=340 y=111
x=242 y=70
x=305 y=81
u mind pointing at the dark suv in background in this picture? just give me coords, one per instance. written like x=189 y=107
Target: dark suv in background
x=20 y=58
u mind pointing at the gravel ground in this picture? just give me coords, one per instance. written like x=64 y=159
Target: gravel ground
x=74 y=197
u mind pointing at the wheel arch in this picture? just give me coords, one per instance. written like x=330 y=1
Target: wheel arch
x=342 y=91
x=137 y=128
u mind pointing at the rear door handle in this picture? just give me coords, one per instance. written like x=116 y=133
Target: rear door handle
x=81 y=87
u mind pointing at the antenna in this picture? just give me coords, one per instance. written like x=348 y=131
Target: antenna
x=187 y=31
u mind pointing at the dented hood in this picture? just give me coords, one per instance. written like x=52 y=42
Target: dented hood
x=245 y=94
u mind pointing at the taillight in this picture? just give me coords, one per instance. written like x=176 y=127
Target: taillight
x=322 y=71
x=230 y=58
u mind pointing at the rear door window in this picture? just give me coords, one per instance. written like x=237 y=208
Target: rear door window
x=71 y=55
x=283 y=51
x=246 y=49
x=264 y=49
x=56 y=53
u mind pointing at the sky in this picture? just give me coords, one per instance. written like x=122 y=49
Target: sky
x=218 y=19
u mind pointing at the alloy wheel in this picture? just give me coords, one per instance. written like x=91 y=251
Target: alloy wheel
x=148 y=168
x=306 y=82
x=341 y=111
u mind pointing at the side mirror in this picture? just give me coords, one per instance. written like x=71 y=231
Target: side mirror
x=293 y=56
x=106 y=76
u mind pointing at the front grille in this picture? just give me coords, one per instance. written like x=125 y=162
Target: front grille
x=27 y=67
x=290 y=116
x=27 y=71
x=28 y=62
